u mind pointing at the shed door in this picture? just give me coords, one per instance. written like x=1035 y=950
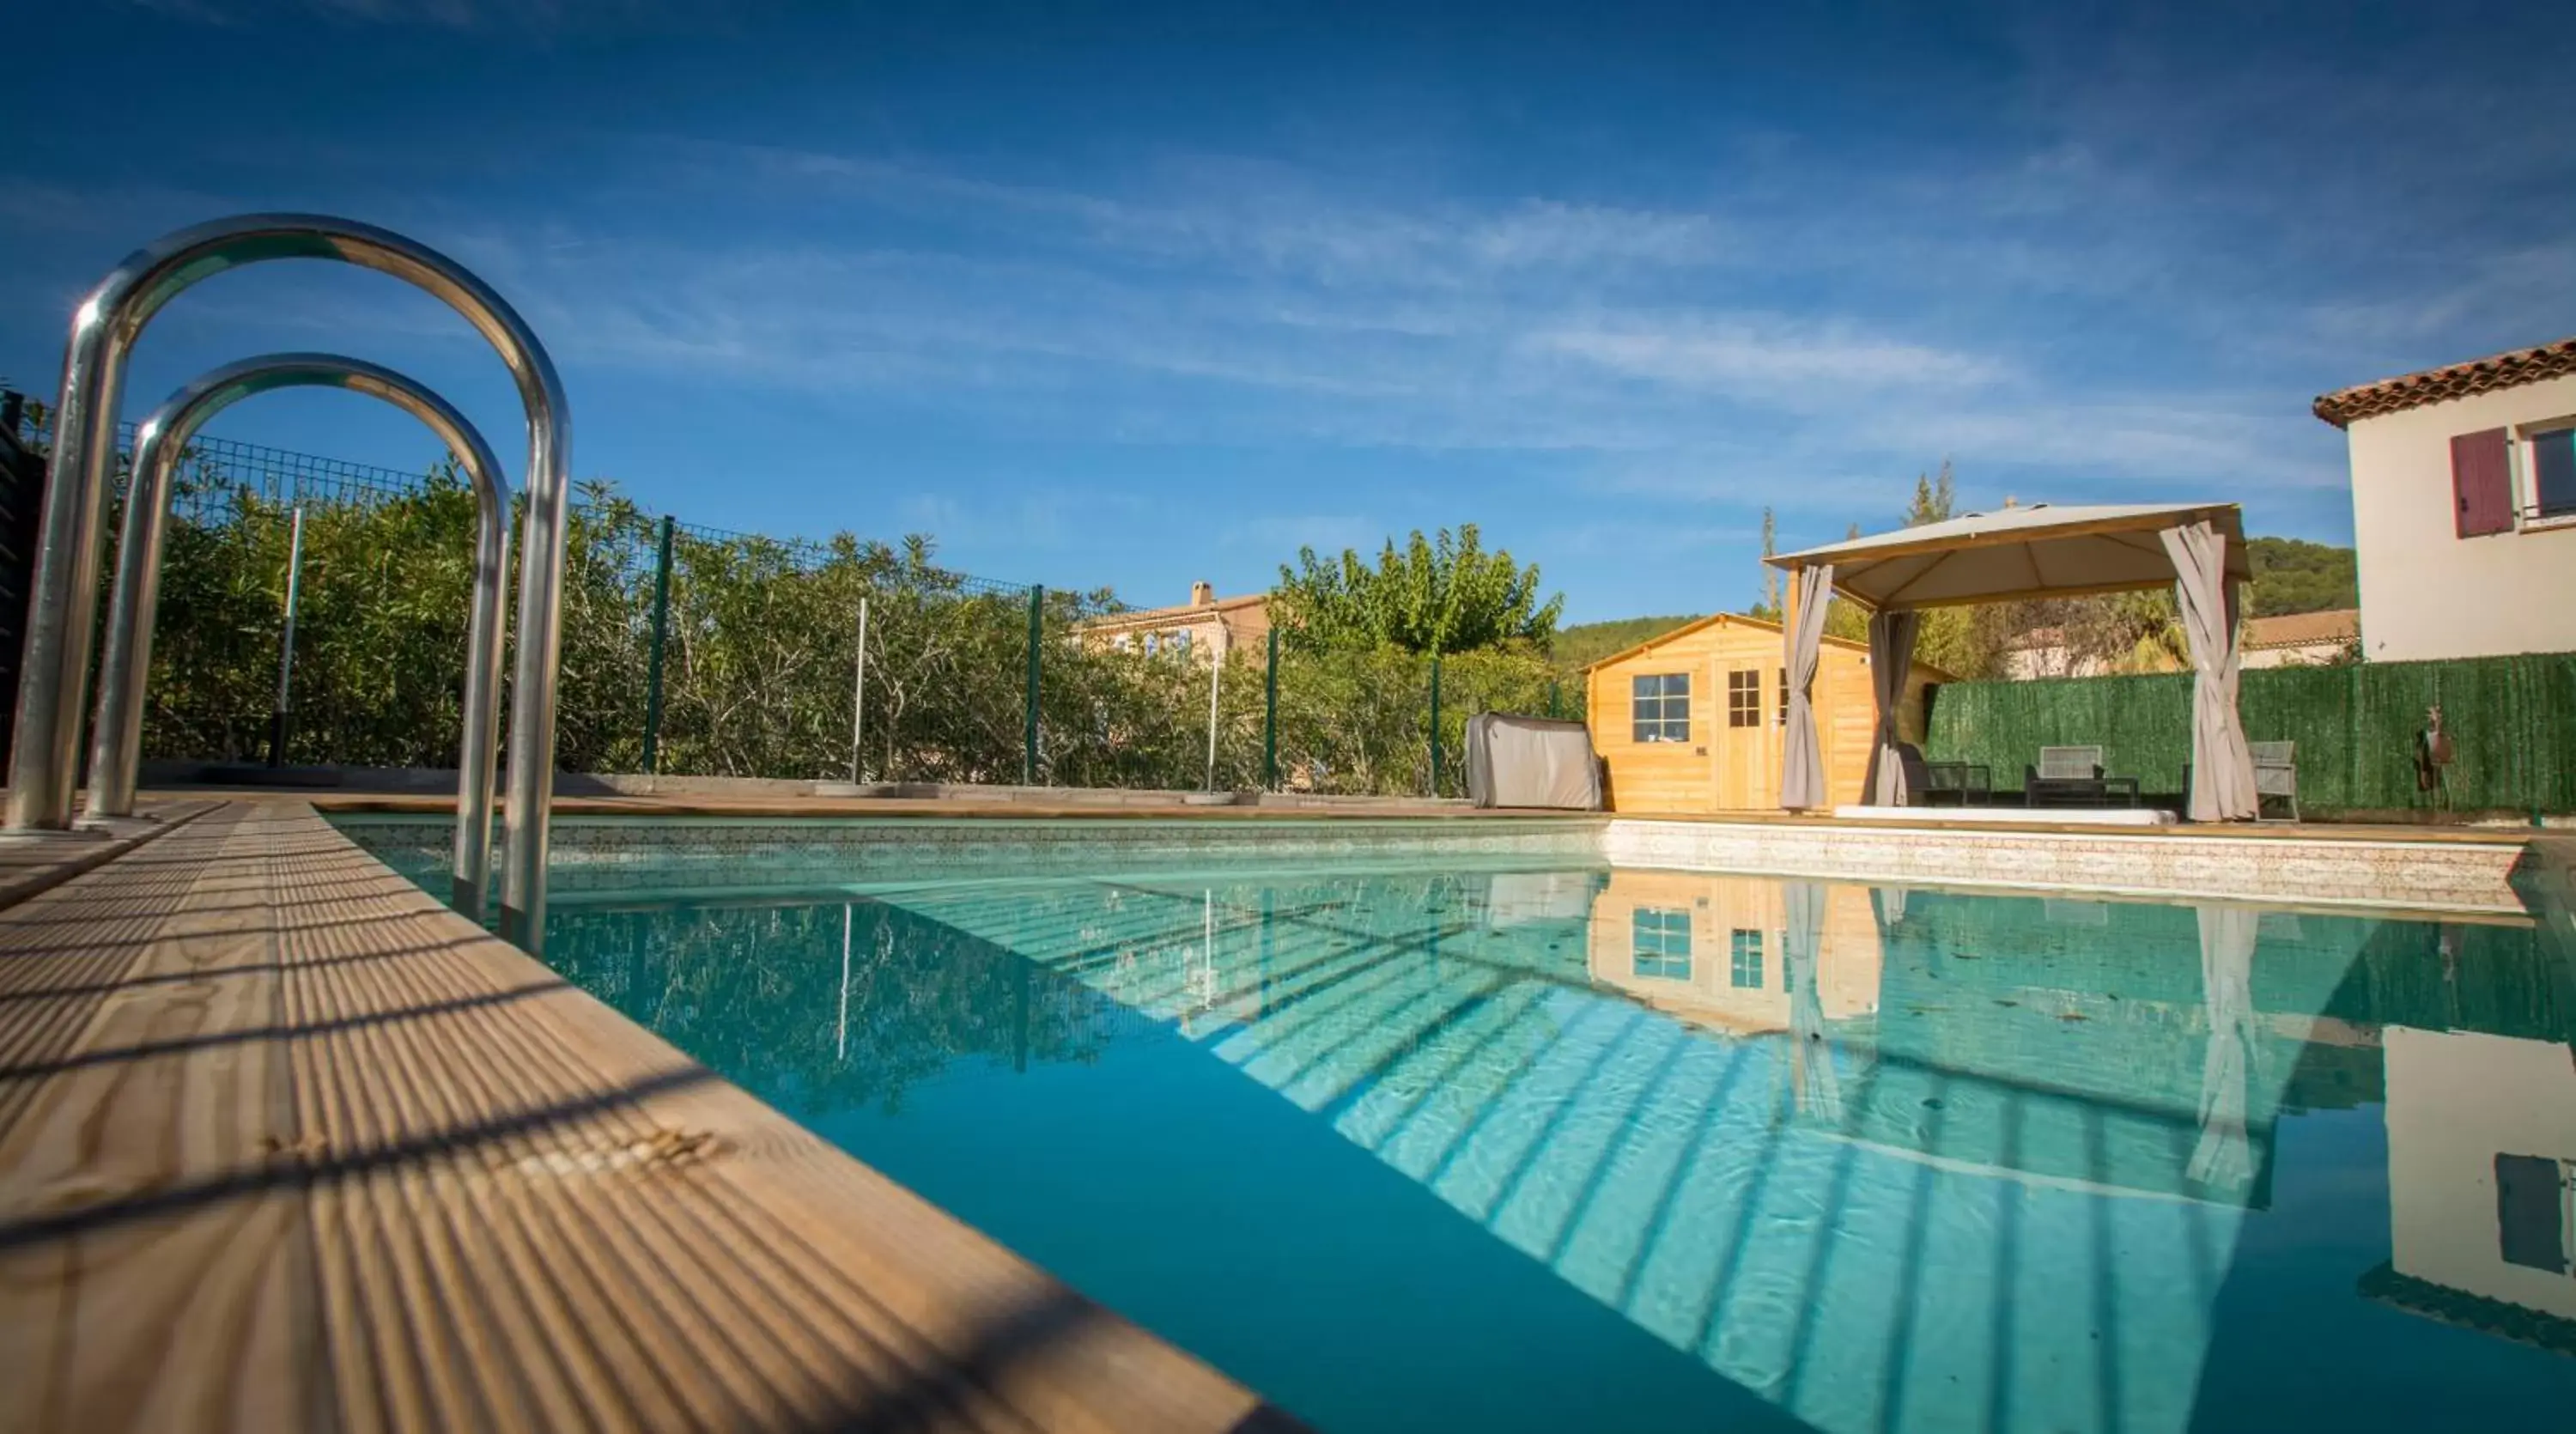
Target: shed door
x=1746 y=745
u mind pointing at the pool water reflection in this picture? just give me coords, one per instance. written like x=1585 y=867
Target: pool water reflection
x=1636 y=1149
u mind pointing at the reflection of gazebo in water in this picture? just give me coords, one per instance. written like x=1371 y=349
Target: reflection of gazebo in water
x=2020 y=553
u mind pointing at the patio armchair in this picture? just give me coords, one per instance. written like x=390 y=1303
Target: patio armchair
x=2276 y=774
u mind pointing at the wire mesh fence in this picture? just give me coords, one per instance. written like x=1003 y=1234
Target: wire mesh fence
x=695 y=650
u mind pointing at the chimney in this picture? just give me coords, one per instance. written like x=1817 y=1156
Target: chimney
x=1202 y=594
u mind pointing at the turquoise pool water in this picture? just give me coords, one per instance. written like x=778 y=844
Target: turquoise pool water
x=1573 y=1148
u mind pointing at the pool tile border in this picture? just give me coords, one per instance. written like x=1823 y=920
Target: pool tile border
x=2412 y=875
x=610 y=854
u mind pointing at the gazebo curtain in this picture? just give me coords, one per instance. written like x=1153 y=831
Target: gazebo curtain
x=1817 y=1090
x=1802 y=756
x=2222 y=767
x=1891 y=657
x=2224 y=1155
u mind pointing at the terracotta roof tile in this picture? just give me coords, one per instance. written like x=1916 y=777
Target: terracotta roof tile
x=1183 y=612
x=2459 y=380
x=2299 y=629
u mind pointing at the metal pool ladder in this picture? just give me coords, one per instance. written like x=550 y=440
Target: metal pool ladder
x=44 y=766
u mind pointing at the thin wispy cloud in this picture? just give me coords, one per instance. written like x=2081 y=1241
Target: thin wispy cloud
x=2083 y=256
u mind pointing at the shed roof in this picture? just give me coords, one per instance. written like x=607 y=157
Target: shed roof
x=2034 y=552
x=1737 y=619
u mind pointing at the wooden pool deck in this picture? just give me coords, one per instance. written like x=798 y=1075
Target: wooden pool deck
x=286 y=1145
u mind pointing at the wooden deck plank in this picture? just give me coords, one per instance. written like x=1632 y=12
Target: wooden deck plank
x=31 y=862
x=174 y=1085
x=295 y=1147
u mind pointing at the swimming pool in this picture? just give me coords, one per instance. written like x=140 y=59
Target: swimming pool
x=1478 y=1140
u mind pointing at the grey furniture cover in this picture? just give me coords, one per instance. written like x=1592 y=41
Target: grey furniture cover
x=1531 y=762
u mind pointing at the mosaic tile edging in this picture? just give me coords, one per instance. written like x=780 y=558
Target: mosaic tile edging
x=608 y=854
x=2423 y=875
x=599 y=854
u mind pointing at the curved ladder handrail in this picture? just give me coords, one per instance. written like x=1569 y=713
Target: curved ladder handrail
x=116 y=735
x=63 y=606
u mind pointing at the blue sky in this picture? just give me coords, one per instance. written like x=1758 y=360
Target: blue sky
x=1127 y=297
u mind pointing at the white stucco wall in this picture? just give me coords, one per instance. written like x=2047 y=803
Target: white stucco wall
x=2427 y=592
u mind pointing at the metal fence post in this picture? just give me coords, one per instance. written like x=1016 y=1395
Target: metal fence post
x=1435 y=724
x=1029 y=737
x=859 y=693
x=653 y=663
x=1216 y=676
x=286 y=643
x=1270 y=718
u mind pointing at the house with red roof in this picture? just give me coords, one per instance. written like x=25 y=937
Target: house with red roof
x=2464 y=505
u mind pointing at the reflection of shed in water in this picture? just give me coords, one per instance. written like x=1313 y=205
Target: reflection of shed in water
x=1713 y=949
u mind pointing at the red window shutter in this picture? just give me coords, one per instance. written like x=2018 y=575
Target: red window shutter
x=2481 y=483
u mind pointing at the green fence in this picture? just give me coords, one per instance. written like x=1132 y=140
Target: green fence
x=690 y=650
x=2512 y=722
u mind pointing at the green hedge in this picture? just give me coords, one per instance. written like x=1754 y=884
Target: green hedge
x=2512 y=722
x=759 y=662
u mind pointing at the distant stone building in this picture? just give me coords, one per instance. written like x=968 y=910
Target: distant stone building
x=1205 y=624
x=2299 y=639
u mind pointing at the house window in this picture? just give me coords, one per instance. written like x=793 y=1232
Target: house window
x=1662 y=707
x=1181 y=640
x=2553 y=473
x=1744 y=960
x=1660 y=943
x=1783 y=719
x=2531 y=1212
x=1744 y=698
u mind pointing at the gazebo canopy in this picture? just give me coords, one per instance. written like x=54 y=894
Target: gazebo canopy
x=2035 y=552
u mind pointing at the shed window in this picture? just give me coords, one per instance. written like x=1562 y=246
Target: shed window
x=1660 y=942
x=1783 y=719
x=2553 y=473
x=1662 y=707
x=1744 y=960
x=1744 y=698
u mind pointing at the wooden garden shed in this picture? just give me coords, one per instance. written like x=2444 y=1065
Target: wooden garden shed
x=1692 y=721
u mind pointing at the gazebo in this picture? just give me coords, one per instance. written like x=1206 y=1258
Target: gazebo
x=2034 y=552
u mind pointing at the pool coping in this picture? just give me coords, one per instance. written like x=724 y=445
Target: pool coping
x=284 y=1142
x=631 y=844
